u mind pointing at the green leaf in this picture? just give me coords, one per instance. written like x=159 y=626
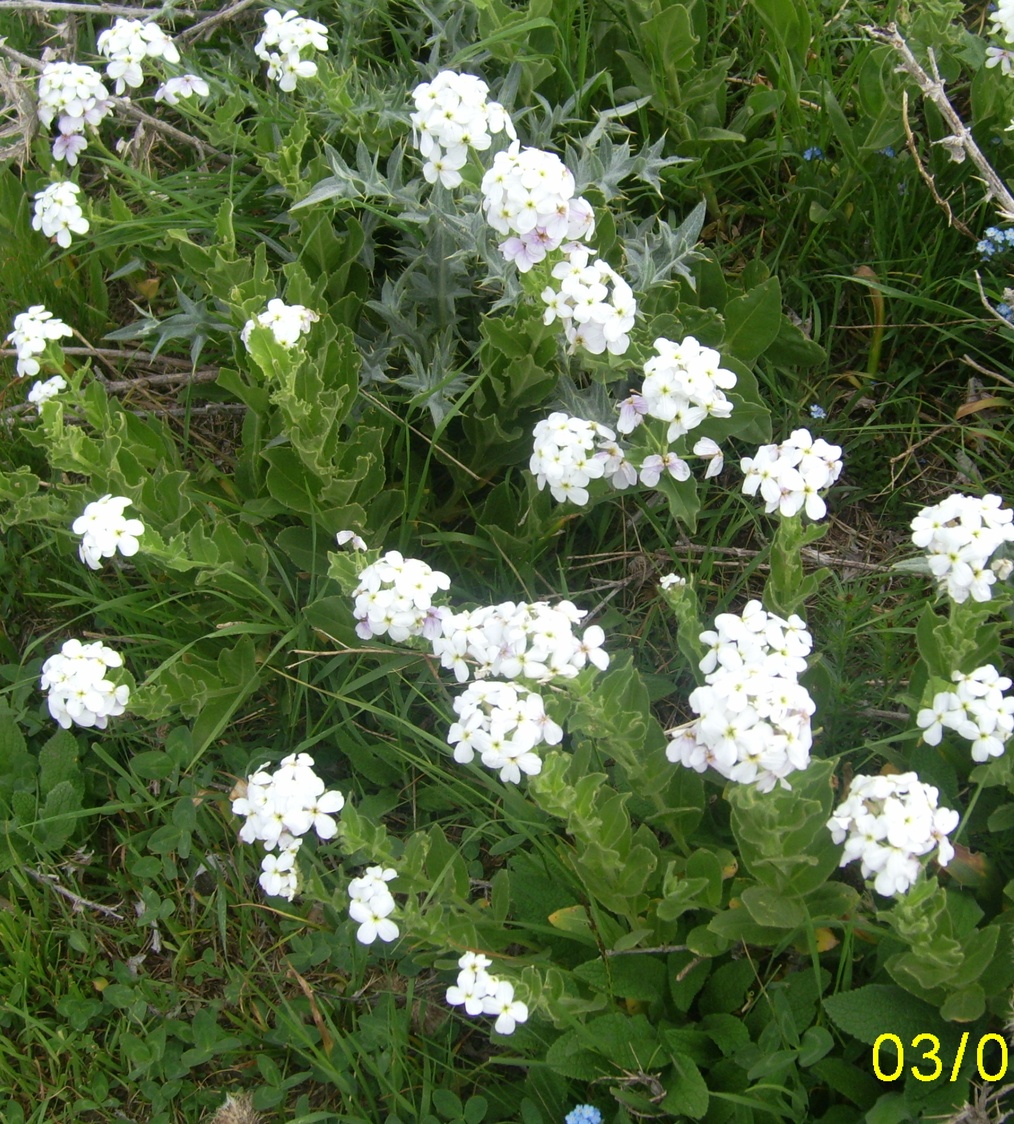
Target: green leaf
x=687 y=1092
x=58 y=761
x=475 y=1110
x=788 y=24
x=783 y=834
x=631 y=976
x=815 y=1044
x=876 y=1009
x=773 y=909
x=753 y=321
x=964 y=1006
x=58 y=816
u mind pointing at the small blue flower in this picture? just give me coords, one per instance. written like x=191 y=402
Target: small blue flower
x=584 y=1114
x=814 y=153
x=817 y=411
x=1005 y=310
x=888 y=151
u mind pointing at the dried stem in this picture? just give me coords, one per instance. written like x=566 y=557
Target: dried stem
x=932 y=87
x=212 y=21
x=145 y=357
x=95 y=9
x=50 y=880
x=987 y=306
x=925 y=172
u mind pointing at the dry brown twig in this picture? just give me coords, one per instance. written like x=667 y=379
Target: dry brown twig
x=923 y=171
x=76 y=900
x=95 y=9
x=212 y=21
x=960 y=143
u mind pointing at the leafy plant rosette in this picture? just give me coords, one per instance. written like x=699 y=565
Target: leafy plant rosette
x=657 y=914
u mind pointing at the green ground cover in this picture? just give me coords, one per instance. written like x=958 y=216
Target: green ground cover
x=679 y=945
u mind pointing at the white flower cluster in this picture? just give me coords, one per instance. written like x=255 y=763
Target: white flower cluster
x=282 y=44
x=959 y=535
x=593 y=303
x=371 y=905
x=104 y=530
x=32 y=331
x=519 y=640
x=528 y=195
x=535 y=641
x=127 y=44
x=79 y=691
x=184 y=86
x=1003 y=20
x=287 y=322
x=889 y=823
x=454 y=115
x=503 y=723
x=43 y=391
x=395 y=597
x=280 y=807
x=754 y=723
x=792 y=475
x=568 y=453
x=58 y=213
x=684 y=384
x=978 y=710
x=483 y=994
x=75 y=96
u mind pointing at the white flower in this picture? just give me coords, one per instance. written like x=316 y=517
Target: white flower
x=889 y=823
x=127 y=44
x=453 y=115
x=281 y=807
x=283 y=42
x=978 y=710
x=32 y=331
x=373 y=920
x=705 y=447
x=791 y=476
x=395 y=597
x=43 y=391
x=999 y=56
x=286 y=322
x=371 y=904
x=1003 y=20
x=185 y=86
x=357 y=541
x=79 y=692
x=69 y=146
x=104 y=530
x=959 y=535
x=754 y=717
x=278 y=872
x=565 y=456
x=58 y=213
x=509 y=1011
x=593 y=303
x=479 y=992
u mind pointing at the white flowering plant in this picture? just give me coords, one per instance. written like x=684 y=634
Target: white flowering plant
x=432 y=636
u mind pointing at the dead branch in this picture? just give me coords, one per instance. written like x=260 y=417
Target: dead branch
x=961 y=142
